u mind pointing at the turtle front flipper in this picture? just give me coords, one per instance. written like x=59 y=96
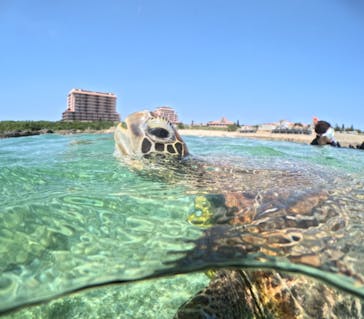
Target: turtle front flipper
x=226 y=297
x=238 y=294
x=279 y=223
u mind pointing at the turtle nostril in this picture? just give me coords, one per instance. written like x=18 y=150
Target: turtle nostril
x=159 y=132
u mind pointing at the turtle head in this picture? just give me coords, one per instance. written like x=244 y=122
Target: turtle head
x=147 y=134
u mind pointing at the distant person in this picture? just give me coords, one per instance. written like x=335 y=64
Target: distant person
x=324 y=134
x=360 y=146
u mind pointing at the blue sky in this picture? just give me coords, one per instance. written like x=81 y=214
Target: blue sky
x=254 y=61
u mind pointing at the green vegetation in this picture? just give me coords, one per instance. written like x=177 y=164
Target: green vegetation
x=204 y=127
x=229 y=128
x=9 y=126
x=180 y=126
x=346 y=129
x=232 y=128
x=298 y=124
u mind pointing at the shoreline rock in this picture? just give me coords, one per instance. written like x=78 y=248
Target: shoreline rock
x=19 y=133
x=24 y=133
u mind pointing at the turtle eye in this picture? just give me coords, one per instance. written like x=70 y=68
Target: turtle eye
x=159 y=132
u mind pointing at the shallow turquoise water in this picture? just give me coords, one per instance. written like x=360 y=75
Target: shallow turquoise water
x=72 y=215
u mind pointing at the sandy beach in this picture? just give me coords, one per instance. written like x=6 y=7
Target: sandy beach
x=345 y=139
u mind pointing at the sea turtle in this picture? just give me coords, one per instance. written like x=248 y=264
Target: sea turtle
x=246 y=216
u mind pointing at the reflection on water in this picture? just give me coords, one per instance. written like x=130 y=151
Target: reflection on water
x=72 y=216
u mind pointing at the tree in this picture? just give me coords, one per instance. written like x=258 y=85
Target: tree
x=298 y=124
x=232 y=128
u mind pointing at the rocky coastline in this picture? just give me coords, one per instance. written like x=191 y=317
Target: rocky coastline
x=22 y=133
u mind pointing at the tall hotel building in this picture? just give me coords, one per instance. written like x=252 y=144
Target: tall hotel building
x=83 y=105
x=168 y=113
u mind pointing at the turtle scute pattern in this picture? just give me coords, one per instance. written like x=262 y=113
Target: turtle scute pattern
x=221 y=299
x=237 y=293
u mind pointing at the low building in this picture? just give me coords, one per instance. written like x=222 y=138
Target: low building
x=84 y=105
x=285 y=123
x=286 y=127
x=194 y=124
x=223 y=122
x=167 y=113
x=267 y=126
x=248 y=129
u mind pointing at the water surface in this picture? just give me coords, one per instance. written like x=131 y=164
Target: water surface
x=73 y=215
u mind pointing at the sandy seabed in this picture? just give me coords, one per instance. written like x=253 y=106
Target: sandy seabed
x=345 y=139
